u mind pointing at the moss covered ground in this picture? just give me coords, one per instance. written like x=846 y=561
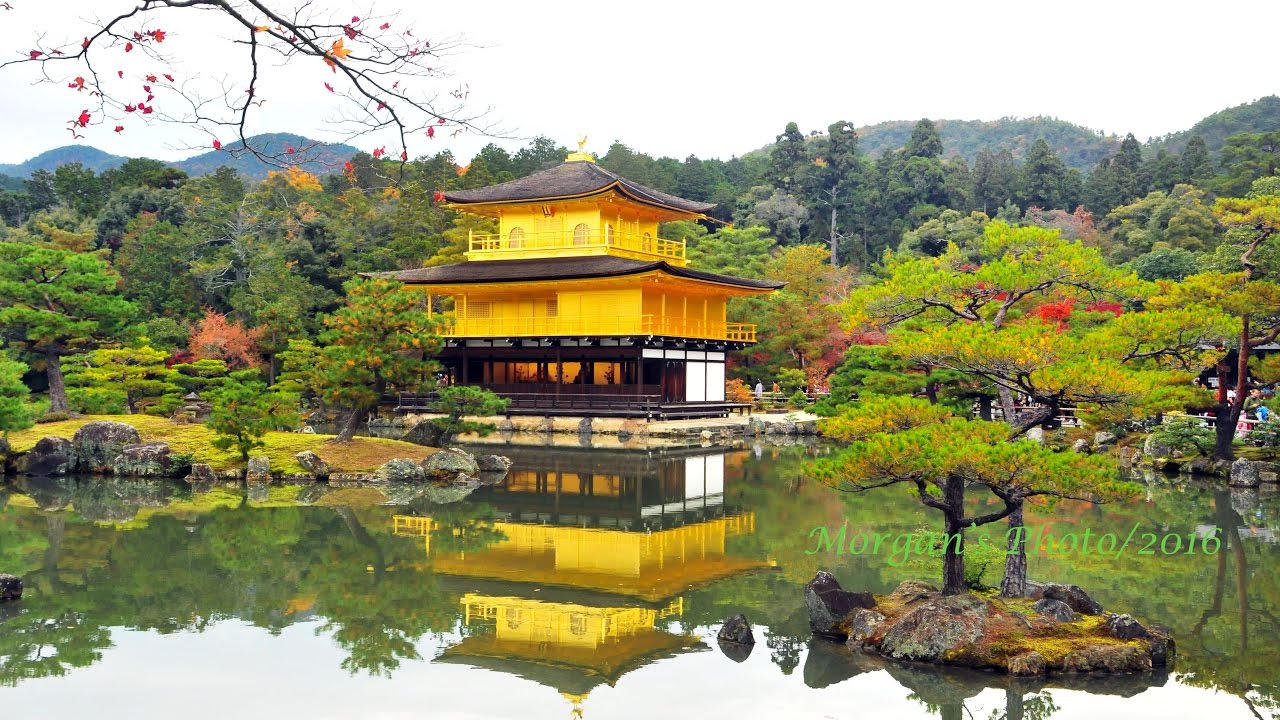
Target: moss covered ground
x=362 y=454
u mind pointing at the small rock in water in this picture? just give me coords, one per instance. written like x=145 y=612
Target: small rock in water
x=736 y=629
x=493 y=463
x=10 y=587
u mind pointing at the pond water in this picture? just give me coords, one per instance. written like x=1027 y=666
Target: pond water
x=589 y=584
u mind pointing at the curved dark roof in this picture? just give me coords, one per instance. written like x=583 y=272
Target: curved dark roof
x=572 y=179
x=568 y=268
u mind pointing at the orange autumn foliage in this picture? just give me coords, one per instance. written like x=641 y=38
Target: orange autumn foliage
x=217 y=338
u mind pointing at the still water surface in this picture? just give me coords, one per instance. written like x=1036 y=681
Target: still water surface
x=589 y=584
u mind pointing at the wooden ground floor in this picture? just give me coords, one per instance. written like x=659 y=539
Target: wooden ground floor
x=654 y=379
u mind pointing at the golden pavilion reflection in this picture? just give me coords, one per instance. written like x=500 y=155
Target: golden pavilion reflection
x=591 y=558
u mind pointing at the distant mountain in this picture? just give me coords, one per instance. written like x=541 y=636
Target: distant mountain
x=1079 y=147
x=314 y=157
x=88 y=156
x=1261 y=115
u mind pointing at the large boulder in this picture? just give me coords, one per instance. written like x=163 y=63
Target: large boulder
x=1157 y=450
x=423 y=433
x=312 y=463
x=51 y=456
x=1244 y=473
x=493 y=463
x=98 y=444
x=736 y=630
x=153 y=459
x=400 y=470
x=828 y=605
x=1102 y=438
x=258 y=471
x=450 y=463
x=1107 y=658
x=584 y=426
x=10 y=587
x=1055 y=609
x=1073 y=595
x=930 y=631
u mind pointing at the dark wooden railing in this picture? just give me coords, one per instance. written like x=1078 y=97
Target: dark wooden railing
x=599 y=404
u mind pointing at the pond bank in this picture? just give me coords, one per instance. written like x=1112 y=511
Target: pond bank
x=141 y=446
x=715 y=429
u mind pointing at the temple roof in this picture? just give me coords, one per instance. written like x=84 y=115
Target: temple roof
x=572 y=180
x=568 y=268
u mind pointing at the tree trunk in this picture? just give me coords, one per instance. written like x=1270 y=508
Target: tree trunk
x=1013 y=704
x=953 y=559
x=57 y=386
x=1014 y=582
x=350 y=423
x=835 y=238
x=1007 y=404
x=1227 y=414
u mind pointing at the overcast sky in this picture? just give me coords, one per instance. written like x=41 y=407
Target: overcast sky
x=717 y=79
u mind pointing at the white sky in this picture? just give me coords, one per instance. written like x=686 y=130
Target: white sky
x=717 y=79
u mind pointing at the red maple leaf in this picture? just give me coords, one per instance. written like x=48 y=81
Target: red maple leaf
x=384 y=26
x=350 y=31
x=328 y=87
x=84 y=118
x=217 y=144
x=168 y=77
x=128 y=47
x=130 y=108
x=120 y=74
x=147 y=88
x=431 y=132
x=77 y=84
x=348 y=168
x=379 y=152
x=146 y=109
x=157 y=35
x=85 y=45
x=35 y=54
x=150 y=78
x=440 y=121
x=404 y=154
x=289 y=150
x=438 y=196
x=381 y=106
x=355 y=19
x=119 y=128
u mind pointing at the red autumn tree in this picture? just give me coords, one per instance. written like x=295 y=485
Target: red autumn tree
x=217 y=338
x=131 y=64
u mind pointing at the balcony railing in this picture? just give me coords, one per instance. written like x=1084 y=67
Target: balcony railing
x=601 y=325
x=593 y=239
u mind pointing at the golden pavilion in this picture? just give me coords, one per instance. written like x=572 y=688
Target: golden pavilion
x=593 y=557
x=576 y=306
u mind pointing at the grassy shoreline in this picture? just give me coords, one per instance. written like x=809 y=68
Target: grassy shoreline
x=362 y=454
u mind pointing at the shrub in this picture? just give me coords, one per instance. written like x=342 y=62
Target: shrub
x=1265 y=435
x=799 y=399
x=1187 y=435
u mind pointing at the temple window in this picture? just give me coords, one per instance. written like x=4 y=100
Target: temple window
x=581 y=234
x=516 y=237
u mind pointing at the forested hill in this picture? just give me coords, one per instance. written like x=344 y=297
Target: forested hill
x=317 y=158
x=1079 y=147
x=1261 y=115
x=90 y=157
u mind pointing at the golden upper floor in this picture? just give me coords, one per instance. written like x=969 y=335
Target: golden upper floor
x=575 y=209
